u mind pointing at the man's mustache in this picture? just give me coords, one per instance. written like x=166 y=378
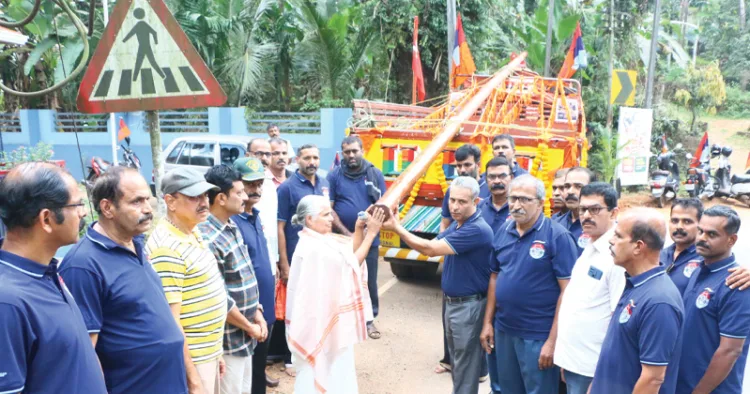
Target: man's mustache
x=203 y=209
x=498 y=186
x=589 y=221
x=253 y=195
x=519 y=211
x=572 y=198
x=283 y=161
x=145 y=218
x=703 y=244
x=679 y=232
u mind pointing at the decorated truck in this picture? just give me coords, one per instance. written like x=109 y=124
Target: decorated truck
x=414 y=145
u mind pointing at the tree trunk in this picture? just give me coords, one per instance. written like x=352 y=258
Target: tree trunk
x=742 y=15
x=152 y=121
x=694 y=110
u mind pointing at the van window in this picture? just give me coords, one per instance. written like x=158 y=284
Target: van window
x=172 y=158
x=231 y=152
x=197 y=154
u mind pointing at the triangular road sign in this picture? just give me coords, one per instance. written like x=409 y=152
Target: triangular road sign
x=145 y=62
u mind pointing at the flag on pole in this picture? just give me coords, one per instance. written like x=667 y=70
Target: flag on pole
x=463 y=63
x=336 y=162
x=577 y=57
x=418 y=93
x=664 y=146
x=702 y=153
x=124 y=131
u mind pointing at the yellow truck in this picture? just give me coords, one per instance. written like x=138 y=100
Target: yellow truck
x=414 y=145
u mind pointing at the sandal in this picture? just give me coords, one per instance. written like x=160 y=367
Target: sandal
x=289 y=370
x=373 y=332
x=442 y=368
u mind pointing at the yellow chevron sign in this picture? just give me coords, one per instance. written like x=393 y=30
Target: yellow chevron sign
x=623 y=87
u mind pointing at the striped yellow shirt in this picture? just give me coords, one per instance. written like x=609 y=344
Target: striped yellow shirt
x=190 y=275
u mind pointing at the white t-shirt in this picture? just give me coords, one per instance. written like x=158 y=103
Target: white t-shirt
x=268 y=209
x=590 y=298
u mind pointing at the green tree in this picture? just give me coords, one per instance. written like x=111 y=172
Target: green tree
x=700 y=89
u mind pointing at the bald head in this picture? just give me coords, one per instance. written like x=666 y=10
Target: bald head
x=648 y=226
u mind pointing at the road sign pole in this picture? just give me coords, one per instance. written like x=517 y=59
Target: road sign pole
x=111 y=129
x=152 y=122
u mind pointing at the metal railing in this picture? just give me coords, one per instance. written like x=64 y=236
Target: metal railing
x=10 y=123
x=68 y=122
x=288 y=122
x=183 y=121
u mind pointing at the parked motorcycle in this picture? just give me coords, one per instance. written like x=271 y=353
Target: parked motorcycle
x=99 y=166
x=665 y=181
x=700 y=183
x=728 y=185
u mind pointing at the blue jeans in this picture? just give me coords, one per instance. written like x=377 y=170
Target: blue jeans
x=492 y=366
x=577 y=384
x=518 y=366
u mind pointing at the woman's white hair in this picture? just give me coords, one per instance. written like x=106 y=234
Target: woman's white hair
x=310 y=205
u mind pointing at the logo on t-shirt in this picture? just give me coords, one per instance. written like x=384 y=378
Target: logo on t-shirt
x=627 y=312
x=584 y=240
x=537 y=250
x=690 y=268
x=704 y=298
x=324 y=190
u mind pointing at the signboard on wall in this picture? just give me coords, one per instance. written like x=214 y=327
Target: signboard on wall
x=634 y=143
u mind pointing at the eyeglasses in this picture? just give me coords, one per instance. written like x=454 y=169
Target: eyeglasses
x=497 y=177
x=521 y=199
x=80 y=205
x=260 y=154
x=593 y=210
x=278 y=153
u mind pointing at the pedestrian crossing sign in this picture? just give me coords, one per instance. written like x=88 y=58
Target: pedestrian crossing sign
x=144 y=62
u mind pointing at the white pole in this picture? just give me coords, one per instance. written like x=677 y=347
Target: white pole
x=111 y=129
x=695 y=45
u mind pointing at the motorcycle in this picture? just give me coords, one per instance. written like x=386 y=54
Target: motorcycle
x=728 y=185
x=665 y=181
x=99 y=166
x=700 y=183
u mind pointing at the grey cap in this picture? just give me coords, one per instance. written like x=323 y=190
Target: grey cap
x=187 y=181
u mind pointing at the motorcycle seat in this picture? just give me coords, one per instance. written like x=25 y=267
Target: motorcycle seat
x=103 y=164
x=742 y=178
x=661 y=172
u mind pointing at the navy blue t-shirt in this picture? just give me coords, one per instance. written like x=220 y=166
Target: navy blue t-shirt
x=252 y=233
x=120 y=297
x=529 y=268
x=682 y=269
x=518 y=171
x=712 y=311
x=290 y=193
x=576 y=230
x=494 y=217
x=646 y=328
x=349 y=197
x=44 y=346
x=468 y=271
x=484 y=193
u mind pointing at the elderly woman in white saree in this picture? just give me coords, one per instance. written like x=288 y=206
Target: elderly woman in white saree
x=328 y=304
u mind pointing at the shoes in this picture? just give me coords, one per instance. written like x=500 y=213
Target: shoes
x=271 y=382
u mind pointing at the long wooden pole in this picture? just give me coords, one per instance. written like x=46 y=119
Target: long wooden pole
x=405 y=182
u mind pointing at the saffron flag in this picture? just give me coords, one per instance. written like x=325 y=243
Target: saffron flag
x=577 y=57
x=336 y=162
x=416 y=64
x=664 y=146
x=124 y=131
x=702 y=154
x=463 y=63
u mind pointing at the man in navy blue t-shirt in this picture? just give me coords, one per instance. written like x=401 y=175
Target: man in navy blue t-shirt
x=120 y=295
x=354 y=186
x=641 y=351
x=558 y=199
x=44 y=346
x=575 y=179
x=466 y=245
x=681 y=258
x=531 y=266
x=714 y=350
x=495 y=209
x=503 y=145
x=468 y=162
